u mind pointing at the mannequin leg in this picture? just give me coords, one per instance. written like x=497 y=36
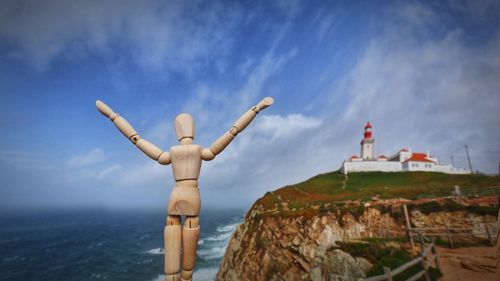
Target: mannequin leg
x=190 y=236
x=172 y=237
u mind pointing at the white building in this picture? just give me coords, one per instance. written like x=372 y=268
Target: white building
x=403 y=160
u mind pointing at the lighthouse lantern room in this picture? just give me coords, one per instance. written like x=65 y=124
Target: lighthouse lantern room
x=367 y=143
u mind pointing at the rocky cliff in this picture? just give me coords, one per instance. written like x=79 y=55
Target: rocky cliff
x=278 y=242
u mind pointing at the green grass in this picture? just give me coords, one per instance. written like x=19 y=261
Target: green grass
x=452 y=206
x=327 y=187
x=380 y=255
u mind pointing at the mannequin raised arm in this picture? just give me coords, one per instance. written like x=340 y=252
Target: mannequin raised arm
x=128 y=131
x=221 y=143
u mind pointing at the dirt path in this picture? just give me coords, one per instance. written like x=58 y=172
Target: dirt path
x=468 y=264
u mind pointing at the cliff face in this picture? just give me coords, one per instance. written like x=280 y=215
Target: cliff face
x=281 y=245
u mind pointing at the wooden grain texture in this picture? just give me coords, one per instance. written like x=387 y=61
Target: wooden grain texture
x=103 y=108
x=164 y=158
x=124 y=127
x=244 y=120
x=172 y=238
x=190 y=238
x=221 y=143
x=151 y=150
x=184 y=201
x=184 y=126
x=186 y=161
x=265 y=102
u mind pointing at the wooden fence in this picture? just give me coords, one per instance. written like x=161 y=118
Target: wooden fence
x=488 y=231
x=475 y=191
x=428 y=255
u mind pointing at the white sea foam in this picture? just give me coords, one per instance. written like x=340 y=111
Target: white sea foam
x=156 y=251
x=218 y=238
x=221 y=237
x=213 y=247
x=212 y=253
x=227 y=228
x=224 y=232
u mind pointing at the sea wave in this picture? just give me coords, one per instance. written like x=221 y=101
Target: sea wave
x=227 y=228
x=216 y=238
x=155 y=251
x=224 y=233
x=212 y=253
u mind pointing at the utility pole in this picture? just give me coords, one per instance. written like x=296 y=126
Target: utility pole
x=468 y=159
x=452 y=162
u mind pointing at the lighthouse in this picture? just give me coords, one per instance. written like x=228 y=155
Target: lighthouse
x=403 y=160
x=367 y=143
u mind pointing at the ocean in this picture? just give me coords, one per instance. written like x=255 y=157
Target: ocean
x=102 y=244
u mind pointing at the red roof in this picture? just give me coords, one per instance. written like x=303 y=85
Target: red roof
x=354 y=157
x=404 y=149
x=382 y=156
x=418 y=157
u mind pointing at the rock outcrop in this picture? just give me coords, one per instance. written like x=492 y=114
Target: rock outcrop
x=282 y=245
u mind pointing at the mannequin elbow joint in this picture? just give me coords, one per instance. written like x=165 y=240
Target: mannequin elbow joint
x=207 y=154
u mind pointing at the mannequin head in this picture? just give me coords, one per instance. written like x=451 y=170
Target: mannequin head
x=184 y=128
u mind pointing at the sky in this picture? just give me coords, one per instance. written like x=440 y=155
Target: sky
x=425 y=73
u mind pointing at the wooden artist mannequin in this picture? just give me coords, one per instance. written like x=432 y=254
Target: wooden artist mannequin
x=185 y=197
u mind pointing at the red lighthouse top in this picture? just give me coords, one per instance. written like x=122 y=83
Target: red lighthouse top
x=368 y=130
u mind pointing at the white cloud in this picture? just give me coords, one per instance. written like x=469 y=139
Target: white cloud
x=239 y=165
x=94 y=156
x=269 y=65
x=421 y=88
x=109 y=170
x=273 y=151
x=214 y=114
x=160 y=36
x=278 y=126
x=433 y=93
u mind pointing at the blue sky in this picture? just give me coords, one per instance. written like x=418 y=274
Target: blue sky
x=425 y=73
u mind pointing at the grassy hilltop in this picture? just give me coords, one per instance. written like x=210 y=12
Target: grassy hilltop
x=316 y=223
x=337 y=187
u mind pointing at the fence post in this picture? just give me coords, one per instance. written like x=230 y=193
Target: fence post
x=409 y=232
x=388 y=273
x=434 y=252
x=424 y=263
x=488 y=233
x=449 y=235
x=421 y=239
x=458 y=194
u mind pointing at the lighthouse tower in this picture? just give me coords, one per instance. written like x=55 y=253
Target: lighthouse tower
x=367 y=143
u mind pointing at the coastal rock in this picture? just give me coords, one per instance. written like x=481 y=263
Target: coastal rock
x=283 y=246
